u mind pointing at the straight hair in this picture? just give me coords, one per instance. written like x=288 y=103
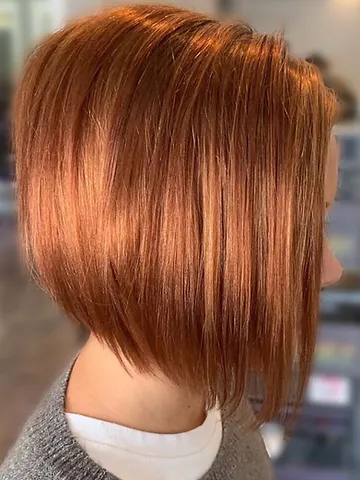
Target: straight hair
x=170 y=172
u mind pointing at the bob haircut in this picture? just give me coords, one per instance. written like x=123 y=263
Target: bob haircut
x=170 y=174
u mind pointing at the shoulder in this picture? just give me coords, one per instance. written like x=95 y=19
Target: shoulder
x=46 y=450
x=25 y=460
x=243 y=451
x=29 y=458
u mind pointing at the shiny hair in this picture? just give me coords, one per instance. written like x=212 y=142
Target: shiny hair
x=171 y=192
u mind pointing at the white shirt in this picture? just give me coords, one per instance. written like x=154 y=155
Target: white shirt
x=131 y=454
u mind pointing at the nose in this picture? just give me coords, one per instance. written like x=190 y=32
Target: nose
x=331 y=269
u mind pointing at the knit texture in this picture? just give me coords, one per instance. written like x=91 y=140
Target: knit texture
x=46 y=450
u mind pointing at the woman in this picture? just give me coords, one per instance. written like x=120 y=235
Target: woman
x=174 y=174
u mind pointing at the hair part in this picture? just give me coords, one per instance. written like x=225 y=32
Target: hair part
x=171 y=193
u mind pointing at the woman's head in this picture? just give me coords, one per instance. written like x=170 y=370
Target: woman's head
x=171 y=184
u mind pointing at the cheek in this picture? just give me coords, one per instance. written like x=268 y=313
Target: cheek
x=331 y=268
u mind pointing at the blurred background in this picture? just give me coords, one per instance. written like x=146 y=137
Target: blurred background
x=36 y=342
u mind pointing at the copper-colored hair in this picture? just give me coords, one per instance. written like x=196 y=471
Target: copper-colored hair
x=171 y=190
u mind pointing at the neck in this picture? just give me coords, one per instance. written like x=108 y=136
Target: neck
x=100 y=387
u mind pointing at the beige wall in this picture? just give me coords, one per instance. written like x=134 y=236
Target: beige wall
x=72 y=8
x=206 y=6
x=330 y=27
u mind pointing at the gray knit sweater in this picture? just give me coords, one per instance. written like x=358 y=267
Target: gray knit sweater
x=46 y=450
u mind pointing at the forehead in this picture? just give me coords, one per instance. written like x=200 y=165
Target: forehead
x=332 y=166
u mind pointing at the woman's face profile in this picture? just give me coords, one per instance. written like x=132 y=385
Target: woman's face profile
x=331 y=268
